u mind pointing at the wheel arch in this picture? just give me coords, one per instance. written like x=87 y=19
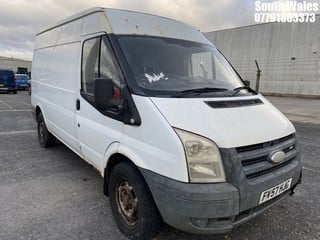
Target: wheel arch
x=114 y=160
x=37 y=112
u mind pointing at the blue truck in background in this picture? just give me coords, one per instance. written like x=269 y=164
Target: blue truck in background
x=7 y=81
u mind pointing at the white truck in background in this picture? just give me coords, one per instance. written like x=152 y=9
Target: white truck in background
x=174 y=131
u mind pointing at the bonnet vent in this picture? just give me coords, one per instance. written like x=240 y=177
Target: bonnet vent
x=234 y=103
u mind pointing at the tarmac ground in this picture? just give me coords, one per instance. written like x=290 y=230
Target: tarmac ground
x=298 y=109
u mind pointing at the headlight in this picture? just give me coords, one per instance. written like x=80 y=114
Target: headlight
x=203 y=158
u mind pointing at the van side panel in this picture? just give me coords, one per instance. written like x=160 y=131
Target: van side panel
x=55 y=77
x=64 y=34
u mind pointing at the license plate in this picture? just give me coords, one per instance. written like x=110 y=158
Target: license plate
x=275 y=191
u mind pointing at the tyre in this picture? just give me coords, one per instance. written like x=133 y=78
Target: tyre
x=132 y=205
x=14 y=91
x=46 y=139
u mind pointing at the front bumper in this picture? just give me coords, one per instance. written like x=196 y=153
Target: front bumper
x=22 y=86
x=212 y=208
x=8 y=89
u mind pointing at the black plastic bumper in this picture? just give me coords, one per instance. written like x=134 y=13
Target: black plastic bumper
x=202 y=208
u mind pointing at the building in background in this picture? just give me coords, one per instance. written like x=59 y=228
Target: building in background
x=16 y=65
x=288 y=55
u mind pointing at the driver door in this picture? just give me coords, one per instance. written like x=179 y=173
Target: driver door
x=94 y=130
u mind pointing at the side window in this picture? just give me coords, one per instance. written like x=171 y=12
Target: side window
x=98 y=61
x=109 y=67
x=90 y=64
x=201 y=65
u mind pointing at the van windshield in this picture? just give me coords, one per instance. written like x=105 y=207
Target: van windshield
x=165 y=66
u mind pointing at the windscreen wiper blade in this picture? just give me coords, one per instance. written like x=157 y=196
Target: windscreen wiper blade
x=199 y=91
x=238 y=89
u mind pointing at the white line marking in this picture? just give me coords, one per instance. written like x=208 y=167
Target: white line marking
x=16 y=110
x=26 y=104
x=17 y=132
x=7 y=105
x=311 y=170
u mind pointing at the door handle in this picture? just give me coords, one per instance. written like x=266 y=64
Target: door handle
x=78 y=104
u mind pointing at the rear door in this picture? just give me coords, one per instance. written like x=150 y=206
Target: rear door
x=7 y=79
x=94 y=130
x=2 y=79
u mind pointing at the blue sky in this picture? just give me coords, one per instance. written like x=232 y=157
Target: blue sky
x=20 y=20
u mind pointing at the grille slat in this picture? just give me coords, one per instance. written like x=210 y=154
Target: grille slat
x=251 y=161
x=266 y=150
x=260 y=166
x=263 y=165
x=264 y=145
x=255 y=159
x=268 y=170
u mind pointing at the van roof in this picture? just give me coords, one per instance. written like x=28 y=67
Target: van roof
x=6 y=70
x=73 y=17
x=127 y=22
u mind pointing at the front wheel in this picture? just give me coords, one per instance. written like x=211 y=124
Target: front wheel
x=132 y=204
x=46 y=139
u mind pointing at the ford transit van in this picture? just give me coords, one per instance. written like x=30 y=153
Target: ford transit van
x=169 y=124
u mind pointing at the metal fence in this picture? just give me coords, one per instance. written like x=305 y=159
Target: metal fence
x=288 y=55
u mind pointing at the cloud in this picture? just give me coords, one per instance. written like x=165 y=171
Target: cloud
x=20 y=20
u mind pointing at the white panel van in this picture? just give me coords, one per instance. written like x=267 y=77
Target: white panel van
x=172 y=128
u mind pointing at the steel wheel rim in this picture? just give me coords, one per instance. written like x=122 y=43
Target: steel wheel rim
x=127 y=202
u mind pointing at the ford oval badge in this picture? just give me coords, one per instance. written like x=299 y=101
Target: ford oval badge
x=277 y=156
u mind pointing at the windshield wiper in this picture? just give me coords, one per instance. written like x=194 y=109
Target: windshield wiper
x=199 y=91
x=238 y=89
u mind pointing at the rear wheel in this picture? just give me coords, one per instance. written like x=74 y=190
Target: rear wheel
x=132 y=204
x=46 y=139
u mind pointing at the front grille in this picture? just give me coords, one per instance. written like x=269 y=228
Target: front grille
x=256 y=161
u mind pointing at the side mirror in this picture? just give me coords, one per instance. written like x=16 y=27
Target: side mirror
x=103 y=94
x=247 y=83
